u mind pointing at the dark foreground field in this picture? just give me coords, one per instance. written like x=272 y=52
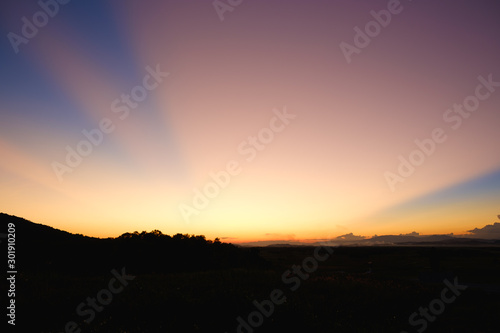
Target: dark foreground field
x=151 y=282
x=368 y=289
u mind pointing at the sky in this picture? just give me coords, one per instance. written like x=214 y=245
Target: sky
x=251 y=120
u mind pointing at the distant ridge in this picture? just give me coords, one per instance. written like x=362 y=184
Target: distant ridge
x=41 y=229
x=43 y=248
x=384 y=240
x=46 y=237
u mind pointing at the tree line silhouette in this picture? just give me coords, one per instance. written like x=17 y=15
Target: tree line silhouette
x=44 y=249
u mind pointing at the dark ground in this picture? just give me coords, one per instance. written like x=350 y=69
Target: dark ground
x=186 y=283
x=340 y=296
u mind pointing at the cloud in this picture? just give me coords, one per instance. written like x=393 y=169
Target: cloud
x=488 y=231
x=411 y=234
x=350 y=237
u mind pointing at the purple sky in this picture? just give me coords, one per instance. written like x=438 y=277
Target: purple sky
x=330 y=169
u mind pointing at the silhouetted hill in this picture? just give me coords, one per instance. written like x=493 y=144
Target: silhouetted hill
x=63 y=277
x=43 y=248
x=386 y=240
x=409 y=239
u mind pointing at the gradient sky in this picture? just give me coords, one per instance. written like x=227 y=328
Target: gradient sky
x=322 y=176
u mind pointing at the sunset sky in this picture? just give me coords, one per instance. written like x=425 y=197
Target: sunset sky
x=310 y=131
